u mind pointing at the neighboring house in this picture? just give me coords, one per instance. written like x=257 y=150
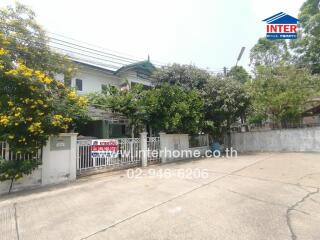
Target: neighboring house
x=92 y=78
x=311 y=115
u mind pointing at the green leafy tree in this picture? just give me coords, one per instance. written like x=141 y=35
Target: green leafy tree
x=164 y=108
x=129 y=103
x=226 y=101
x=33 y=105
x=174 y=110
x=307 y=46
x=239 y=73
x=269 y=52
x=280 y=93
x=186 y=76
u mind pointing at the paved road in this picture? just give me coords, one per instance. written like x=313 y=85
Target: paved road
x=262 y=196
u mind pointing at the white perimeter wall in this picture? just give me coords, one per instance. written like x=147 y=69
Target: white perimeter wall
x=286 y=140
x=178 y=143
x=57 y=166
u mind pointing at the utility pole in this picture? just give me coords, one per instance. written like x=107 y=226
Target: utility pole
x=225 y=71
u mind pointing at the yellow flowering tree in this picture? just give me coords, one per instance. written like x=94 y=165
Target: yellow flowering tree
x=22 y=34
x=33 y=104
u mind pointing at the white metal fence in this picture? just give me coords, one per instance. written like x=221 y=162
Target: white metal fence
x=7 y=154
x=129 y=154
x=153 y=144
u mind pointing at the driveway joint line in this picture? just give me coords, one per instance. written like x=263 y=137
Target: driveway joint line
x=251 y=197
x=292 y=208
x=169 y=200
x=155 y=206
x=16 y=220
x=266 y=180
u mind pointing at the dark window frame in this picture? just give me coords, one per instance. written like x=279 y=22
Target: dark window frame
x=79 y=84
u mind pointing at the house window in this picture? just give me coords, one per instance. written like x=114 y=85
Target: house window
x=79 y=84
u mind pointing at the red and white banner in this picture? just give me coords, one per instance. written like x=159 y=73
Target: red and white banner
x=102 y=148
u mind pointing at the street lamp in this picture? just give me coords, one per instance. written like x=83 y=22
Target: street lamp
x=240 y=55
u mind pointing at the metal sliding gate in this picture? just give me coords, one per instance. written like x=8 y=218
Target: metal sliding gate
x=128 y=154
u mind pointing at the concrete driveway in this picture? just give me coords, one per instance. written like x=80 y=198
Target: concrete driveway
x=258 y=196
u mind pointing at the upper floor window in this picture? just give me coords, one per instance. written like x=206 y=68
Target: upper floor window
x=79 y=84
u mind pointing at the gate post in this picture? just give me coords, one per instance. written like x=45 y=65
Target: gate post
x=162 y=150
x=7 y=152
x=143 y=149
x=59 y=159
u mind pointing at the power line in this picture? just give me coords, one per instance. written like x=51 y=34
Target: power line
x=92 y=45
x=93 y=51
x=129 y=56
x=83 y=61
x=83 y=49
x=88 y=50
x=85 y=55
x=104 y=60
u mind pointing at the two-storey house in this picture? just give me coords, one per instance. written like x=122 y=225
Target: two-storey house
x=91 y=78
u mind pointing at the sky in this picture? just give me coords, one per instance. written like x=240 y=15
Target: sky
x=207 y=33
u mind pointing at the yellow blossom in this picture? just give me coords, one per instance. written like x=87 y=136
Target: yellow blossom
x=82 y=101
x=6 y=42
x=57 y=117
x=67 y=119
x=32 y=88
x=57 y=120
x=64 y=127
x=39 y=75
x=3 y=51
x=11 y=137
x=10 y=103
x=72 y=95
x=12 y=72
x=4 y=120
x=47 y=80
x=60 y=85
x=35 y=127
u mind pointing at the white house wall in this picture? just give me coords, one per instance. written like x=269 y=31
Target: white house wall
x=93 y=79
x=131 y=76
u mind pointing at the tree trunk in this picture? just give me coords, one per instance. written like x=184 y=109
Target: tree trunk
x=228 y=134
x=132 y=131
x=11 y=185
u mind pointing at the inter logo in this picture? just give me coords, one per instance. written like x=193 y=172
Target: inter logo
x=281 y=26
